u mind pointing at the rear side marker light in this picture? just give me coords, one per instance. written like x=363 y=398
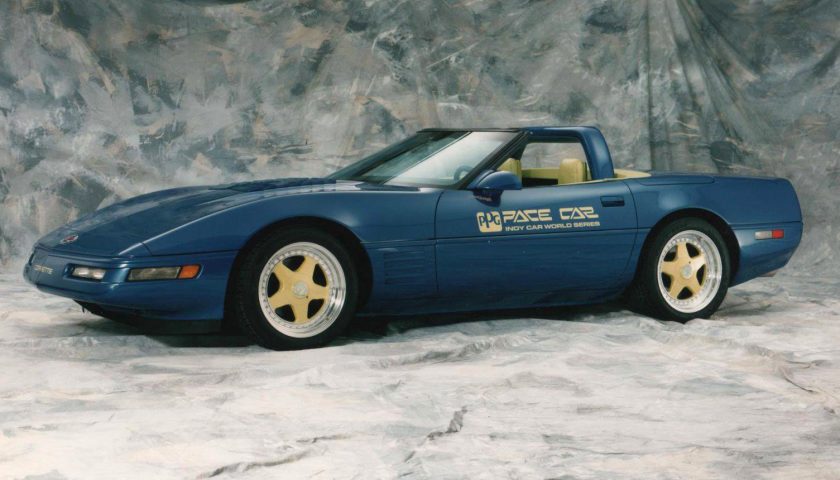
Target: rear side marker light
x=88 y=273
x=184 y=272
x=770 y=234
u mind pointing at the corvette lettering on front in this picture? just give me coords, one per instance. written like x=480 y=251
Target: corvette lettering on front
x=42 y=269
x=536 y=219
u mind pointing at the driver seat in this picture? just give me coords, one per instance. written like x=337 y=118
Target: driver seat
x=513 y=166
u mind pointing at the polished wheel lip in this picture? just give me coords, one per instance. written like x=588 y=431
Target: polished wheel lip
x=711 y=281
x=333 y=303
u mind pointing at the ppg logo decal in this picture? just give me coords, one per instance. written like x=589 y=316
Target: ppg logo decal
x=489 y=222
x=537 y=219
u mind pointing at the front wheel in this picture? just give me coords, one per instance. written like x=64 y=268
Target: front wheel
x=295 y=289
x=683 y=273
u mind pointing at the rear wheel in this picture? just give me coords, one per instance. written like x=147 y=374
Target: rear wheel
x=683 y=273
x=295 y=289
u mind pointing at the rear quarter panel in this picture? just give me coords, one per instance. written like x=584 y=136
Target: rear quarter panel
x=746 y=204
x=738 y=200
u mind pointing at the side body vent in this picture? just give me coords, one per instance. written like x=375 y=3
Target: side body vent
x=404 y=271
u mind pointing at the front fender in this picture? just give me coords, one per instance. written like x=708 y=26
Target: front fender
x=373 y=216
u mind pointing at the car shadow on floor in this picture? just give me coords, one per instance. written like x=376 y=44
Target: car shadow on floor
x=361 y=329
x=378 y=327
x=173 y=334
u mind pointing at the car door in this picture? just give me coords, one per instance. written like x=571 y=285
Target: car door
x=541 y=239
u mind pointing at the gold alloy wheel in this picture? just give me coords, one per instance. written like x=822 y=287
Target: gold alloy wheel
x=689 y=271
x=298 y=289
x=302 y=289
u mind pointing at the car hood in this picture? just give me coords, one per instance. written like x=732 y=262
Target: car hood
x=121 y=228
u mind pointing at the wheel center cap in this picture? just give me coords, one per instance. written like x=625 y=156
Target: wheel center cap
x=300 y=290
x=686 y=271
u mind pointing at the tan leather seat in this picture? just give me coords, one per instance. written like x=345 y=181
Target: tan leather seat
x=513 y=166
x=572 y=170
x=627 y=173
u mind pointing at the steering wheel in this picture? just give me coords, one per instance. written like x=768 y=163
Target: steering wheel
x=461 y=172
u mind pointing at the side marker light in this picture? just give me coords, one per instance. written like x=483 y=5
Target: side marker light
x=770 y=234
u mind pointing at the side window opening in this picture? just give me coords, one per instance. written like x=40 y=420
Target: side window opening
x=549 y=163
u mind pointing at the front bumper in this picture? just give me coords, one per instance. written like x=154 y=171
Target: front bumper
x=200 y=298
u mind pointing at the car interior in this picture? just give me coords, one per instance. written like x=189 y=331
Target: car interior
x=568 y=171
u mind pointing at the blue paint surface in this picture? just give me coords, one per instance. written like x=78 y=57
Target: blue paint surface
x=429 y=249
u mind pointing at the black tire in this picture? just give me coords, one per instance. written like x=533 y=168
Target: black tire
x=245 y=283
x=644 y=294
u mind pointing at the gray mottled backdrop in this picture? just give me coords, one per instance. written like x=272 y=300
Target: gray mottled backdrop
x=102 y=100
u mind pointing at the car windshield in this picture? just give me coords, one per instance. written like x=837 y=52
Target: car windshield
x=436 y=159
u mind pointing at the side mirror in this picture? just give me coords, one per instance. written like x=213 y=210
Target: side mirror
x=490 y=186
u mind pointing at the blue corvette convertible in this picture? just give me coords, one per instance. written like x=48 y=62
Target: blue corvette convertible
x=446 y=220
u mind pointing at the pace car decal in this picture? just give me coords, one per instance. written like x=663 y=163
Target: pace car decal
x=535 y=219
x=578 y=213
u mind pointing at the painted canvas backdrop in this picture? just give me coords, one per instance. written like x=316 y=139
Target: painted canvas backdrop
x=103 y=100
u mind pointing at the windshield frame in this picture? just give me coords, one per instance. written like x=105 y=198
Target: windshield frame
x=394 y=150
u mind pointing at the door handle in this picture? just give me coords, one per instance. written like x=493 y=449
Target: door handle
x=612 y=201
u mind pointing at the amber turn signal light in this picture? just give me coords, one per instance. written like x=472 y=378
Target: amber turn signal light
x=189 y=271
x=164 y=273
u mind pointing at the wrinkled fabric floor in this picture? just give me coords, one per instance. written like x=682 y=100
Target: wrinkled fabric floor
x=581 y=393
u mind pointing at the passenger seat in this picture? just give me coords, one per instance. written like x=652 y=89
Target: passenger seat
x=572 y=170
